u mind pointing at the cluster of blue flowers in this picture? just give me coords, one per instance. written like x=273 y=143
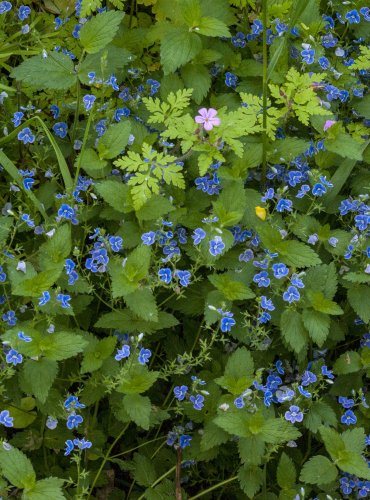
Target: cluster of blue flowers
x=195 y=395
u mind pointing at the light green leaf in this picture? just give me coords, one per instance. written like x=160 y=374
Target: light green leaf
x=297 y=254
x=114 y=140
x=359 y=299
x=62 y=345
x=250 y=479
x=40 y=375
x=277 y=430
x=230 y=288
x=293 y=330
x=138 y=379
x=56 y=72
x=154 y=208
x=211 y=26
x=126 y=279
x=96 y=352
x=348 y=362
x=139 y=408
x=49 y=488
x=345 y=146
x=318 y=470
x=100 y=30
x=109 y=60
x=238 y=374
x=212 y=436
x=178 y=47
x=92 y=164
x=286 y=472
x=142 y=303
x=55 y=250
x=198 y=77
x=17 y=468
x=319 y=413
x=116 y=194
x=317 y=324
x=322 y=304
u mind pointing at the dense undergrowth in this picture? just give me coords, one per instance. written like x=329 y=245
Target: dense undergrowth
x=185 y=253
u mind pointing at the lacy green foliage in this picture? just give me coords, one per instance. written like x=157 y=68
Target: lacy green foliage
x=184 y=268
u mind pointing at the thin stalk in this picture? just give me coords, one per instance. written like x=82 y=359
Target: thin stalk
x=214 y=487
x=157 y=481
x=86 y=136
x=264 y=94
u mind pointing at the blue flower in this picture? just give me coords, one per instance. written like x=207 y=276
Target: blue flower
x=362 y=221
x=120 y=112
x=73 y=421
x=308 y=378
x=198 y=401
x=116 y=243
x=60 y=129
x=264 y=318
x=198 y=235
x=303 y=391
x=184 y=441
x=216 y=246
x=82 y=444
x=67 y=212
x=28 y=182
x=353 y=17
x=165 y=275
x=349 y=418
x=5 y=7
x=24 y=337
x=184 y=277
x=239 y=40
x=283 y=205
x=154 y=86
x=365 y=11
x=279 y=366
x=267 y=303
x=14 y=357
x=123 y=353
x=180 y=392
x=324 y=62
x=346 y=485
x=55 y=111
x=88 y=101
x=101 y=127
x=326 y=372
x=267 y=398
x=227 y=322
x=64 y=300
x=2 y=275
x=17 y=118
x=44 y=299
x=69 y=447
x=10 y=318
x=294 y=414
x=6 y=419
x=72 y=402
x=347 y=403
x=148 y=238
x=284 y=394
x=308 y=56
x=262 y=279
x=291 y=295
x=296 y=281
x=144 y=356
x=318 y=189
x=51 y=423
x=230 y=79
x=26 y=136
x=280 y=270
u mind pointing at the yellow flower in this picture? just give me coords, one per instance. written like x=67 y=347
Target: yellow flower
x=261 y=213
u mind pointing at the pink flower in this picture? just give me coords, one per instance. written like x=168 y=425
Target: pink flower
x=208 y=118
x=328 y=124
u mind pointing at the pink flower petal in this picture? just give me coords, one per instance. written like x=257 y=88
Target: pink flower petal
x=212 y=113
x=328 y=124
x=199 y=119
x=203 y=112
x=208 y=126
x=215 y=121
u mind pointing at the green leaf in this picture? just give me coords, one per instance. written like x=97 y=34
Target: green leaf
x=139 y=408
x=116 y=194
x=345 y=146
x=211 y=26
x=111 y=59
x=286 y=472
x=246 y=444
x=100 y=30
x=178 y=47
x=144 y=472
x=55 y=72
x=354 y=440
x=212 y=436
x=322 y=278
x=277 y=430
x=17 y=468
x=142 y=303
x=348 y=362
x=154 y=208
x=96 y=353
x=92 y=164
x=198 y=77
x=319 y=413
x=238 y=372
x=62 y=345
x=230 y=288
x=233 y=422
x=359 y=299
x=322 y=304
x=138 y=379
x=55 y=250
x=333 y=442
x=318 y=470
x=34 y=287
x=39 y=376
x=231 y=204
x=297 y=254
x=250 y=479
x=50 y=488
x=114 y=140
x=293 y=330
x=126 y=279
x=317 y=324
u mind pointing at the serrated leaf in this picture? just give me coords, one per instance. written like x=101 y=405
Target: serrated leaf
x=144 y=472
x=230 y=288
x=293 y=330
x=138 y=379
x=55 y=72
x=100 y=30
x=277 y=430
x=116 y=194
x=50 y=488
x=238 y=374
x=250 y=479
x=348 y=362
x=212 y=436
x=112 y=57
x=96 y=353
x=178 y=47
x=359 y=299
x=317 y=324
x=92 y=164
x=139 y=408
x=319 y=413
x=318 y=470
x=56 y=249
x=17 y=468
x=62 y=345
x=198 y=78
x=39 y=376
x=211 y=26
x=142 y=303
x=320 y=303
x=297 y=254
x=114 y=140
x=286 y=472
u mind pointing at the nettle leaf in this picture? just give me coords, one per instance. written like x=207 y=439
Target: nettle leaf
x=144 y=472
x=116 y=194
x=277 y=430
x=55 y=250
x=250 y=479
x=348 y=362
x=100 y=30
x=293 y=330
x=246 y=444
x=39 y=376
x=320 y=303
x=178 y=47
x=142 y=302
x=231 y=204
x=212 y=436
x=96 y=352
x=231 y=288
x=359 y=298
x=62 y=345
x=17 y=468
x=112 y=57
x=138 y=408
x=297 y=254
x=319 y=413
x=55 y=72
x=322 y=278
x=34 y=287
x=114 y=140
x=137 y=380
x=92 y=164
x=51 y=487
x=238 y=374
x=211 y=26
x=318 y=470
x=286 y=472
x=126 y=278
x=198 y=77
x=317 y=324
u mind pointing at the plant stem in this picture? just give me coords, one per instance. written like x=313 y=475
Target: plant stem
x=157 y=481
x=264 y=94
x=178 y=474
x=215 y=487
x=105 y=459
